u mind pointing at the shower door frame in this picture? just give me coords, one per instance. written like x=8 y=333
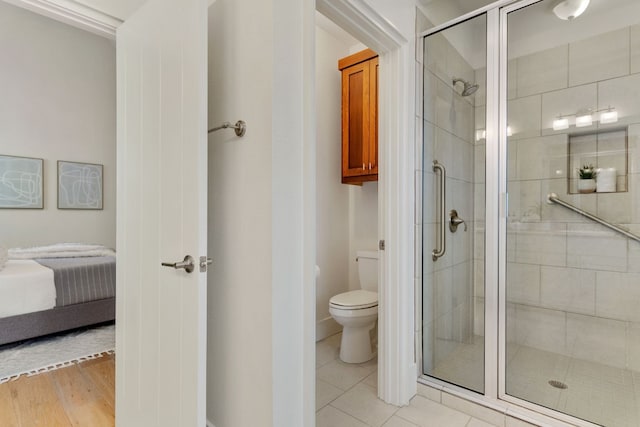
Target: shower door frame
x=496 y=203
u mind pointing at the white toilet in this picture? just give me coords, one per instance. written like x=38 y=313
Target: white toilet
x=357 y=311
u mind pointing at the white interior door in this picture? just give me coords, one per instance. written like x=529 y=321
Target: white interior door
x=162 y=178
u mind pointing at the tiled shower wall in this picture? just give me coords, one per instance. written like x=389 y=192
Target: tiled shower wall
x=573 y=286
x=448 y=137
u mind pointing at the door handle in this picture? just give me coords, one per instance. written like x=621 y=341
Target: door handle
x=187 y=264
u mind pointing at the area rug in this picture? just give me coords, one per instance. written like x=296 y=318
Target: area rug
x=35 y=356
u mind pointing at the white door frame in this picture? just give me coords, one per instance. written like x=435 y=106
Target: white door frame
x=397 y=369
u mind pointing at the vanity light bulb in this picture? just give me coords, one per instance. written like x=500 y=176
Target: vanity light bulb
x=608 y=117
x=585 y=120
x=509 y=131
x=481 y=134
x=560 y=124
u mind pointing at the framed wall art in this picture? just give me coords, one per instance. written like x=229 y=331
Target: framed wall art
x=79 y=185
x=21 y=183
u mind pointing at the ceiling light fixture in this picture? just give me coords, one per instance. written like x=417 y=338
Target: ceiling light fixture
x=560 y=123
x=570 y=9
x=609 y=116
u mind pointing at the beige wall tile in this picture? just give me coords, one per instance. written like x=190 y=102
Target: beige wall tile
x=624 y=95
x=568 y=289
x=634 y=38
x=543 y=71
x=618 y=296
x=596 y=339
x=594 y=247
x=600 y=57
x=523 y=283
x=523 y=116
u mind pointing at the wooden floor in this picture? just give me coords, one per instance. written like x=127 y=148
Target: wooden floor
x=78 y=395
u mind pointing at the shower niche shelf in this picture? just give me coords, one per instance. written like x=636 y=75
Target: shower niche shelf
x=607 y=151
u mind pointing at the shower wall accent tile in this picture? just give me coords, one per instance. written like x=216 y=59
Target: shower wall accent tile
x=568 y=289
x=594 y=247
x=543 y=71
x=524 y=283
x=618 y=296
x=540 y=243
x=523 y=115
x=596 y=339
x=601 y=57
x=634 y=39
x=541 y=328
x=567 y=101
x=624 y=94
x=542 y=158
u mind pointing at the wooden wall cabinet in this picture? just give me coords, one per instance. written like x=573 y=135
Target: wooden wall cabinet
x=359 y=117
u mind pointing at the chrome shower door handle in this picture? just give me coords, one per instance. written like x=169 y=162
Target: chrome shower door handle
x=437 y=253
x=187 y=264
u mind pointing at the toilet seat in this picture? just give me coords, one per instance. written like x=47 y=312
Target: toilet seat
x=354 y=300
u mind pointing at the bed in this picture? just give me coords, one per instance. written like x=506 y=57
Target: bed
x=55 y=288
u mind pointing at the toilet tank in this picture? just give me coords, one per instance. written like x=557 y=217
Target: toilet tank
x=368 y=270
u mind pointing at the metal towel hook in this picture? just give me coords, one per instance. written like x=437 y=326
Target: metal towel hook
x=240 y=127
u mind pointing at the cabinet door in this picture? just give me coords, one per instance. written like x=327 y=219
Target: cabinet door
x=356 y=120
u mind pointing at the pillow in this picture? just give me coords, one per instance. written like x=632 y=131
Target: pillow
x=4 y=255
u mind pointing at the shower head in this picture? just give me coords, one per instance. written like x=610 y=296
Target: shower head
x=469 y=88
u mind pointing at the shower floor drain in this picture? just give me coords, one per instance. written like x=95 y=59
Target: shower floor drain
x=558 y=384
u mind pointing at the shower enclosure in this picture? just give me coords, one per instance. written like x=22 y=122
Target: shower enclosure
x=531 y=274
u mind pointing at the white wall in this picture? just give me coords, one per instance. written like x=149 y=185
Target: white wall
x=58 y=103
x=332 y=196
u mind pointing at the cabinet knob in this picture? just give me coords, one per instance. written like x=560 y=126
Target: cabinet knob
x=363 y=166
x=369 y=165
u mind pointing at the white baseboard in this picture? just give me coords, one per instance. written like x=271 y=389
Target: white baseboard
x=326 y=327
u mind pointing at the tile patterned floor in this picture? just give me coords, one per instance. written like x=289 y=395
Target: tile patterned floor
x=346 y=397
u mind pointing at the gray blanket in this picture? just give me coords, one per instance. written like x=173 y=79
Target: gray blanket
x=83 y=279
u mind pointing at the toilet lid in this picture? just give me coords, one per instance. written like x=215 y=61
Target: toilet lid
x=355 y=299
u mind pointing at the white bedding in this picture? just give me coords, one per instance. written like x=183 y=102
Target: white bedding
x=61 y=250
x=26 y=287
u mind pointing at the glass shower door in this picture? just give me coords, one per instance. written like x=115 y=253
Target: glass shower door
x=453 y=191
x=573 y=282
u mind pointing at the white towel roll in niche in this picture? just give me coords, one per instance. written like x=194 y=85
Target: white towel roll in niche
x=606 y=180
